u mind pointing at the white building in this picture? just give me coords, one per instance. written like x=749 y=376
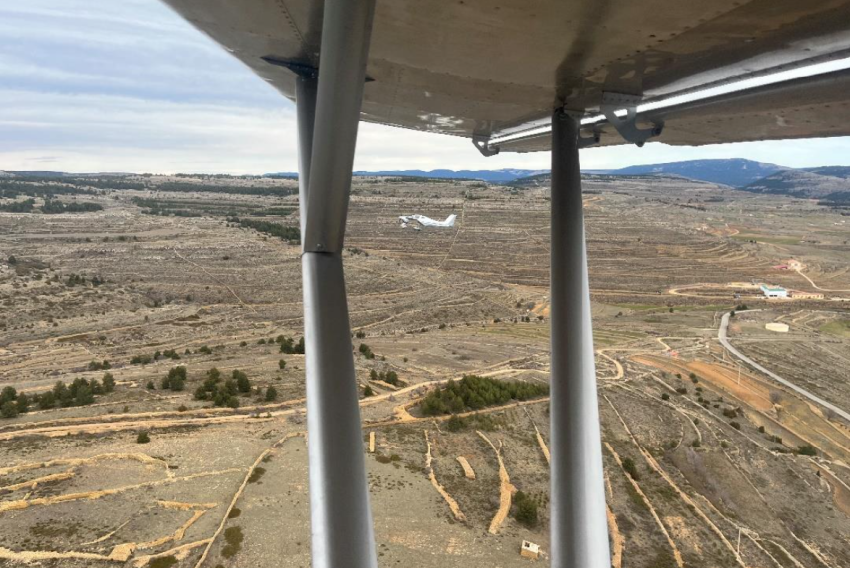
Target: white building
x=773 y=291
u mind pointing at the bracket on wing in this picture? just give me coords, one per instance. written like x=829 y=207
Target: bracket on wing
x=482 y=142
x=627 y=126
x=585 y=141
x=300 y=69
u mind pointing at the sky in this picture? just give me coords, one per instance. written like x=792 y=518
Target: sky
x=127 y=85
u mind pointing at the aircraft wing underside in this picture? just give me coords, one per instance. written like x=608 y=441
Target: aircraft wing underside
x=484 y=67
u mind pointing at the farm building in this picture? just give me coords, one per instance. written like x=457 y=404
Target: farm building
x=806 y=295
x=773 y=291
x=529 y=550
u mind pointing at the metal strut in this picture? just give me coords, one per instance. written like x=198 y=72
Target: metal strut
x=579 y=522
x=328 y=109
x=627 y=126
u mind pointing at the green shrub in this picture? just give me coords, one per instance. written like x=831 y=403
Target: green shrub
x=143 y=438
x=456 y=423
x=525 y=509
x=366 y=351
x=23 y=403
x=807 y=450
x=46 y=400
x=243 y=384
x=163 y=562
x=8 y=394
x=630 y=468
x=9 y=409
x=233 y=537
x=257 y=474
x=367 y=392
x=271 y=394
x=665 y=396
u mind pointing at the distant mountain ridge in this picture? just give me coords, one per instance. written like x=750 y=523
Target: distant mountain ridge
x=735 y=172
x=828 y=183
x=492 y=176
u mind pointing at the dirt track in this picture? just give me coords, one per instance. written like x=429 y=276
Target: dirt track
x=506 y=489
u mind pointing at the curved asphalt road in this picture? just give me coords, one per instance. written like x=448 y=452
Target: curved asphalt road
x=721 y=335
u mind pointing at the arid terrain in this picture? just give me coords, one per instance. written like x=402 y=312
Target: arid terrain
x=709 y=462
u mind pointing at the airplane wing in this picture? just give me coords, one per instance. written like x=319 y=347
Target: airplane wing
x=476 y=67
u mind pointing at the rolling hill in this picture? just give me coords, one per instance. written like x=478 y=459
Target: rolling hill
x=734 y=172
x=803 y=184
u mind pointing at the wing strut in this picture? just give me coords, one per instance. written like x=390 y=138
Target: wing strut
x=579 y=524
x=328 y=109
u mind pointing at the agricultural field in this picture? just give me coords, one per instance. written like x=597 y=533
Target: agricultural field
x=152 y=377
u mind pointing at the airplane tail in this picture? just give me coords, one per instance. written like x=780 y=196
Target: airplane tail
x=450 y=220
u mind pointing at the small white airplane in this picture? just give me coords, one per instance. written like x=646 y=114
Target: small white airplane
x=427 y=221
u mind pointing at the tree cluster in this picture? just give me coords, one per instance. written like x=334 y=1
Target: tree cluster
x=175 y=379
x=79 y=393
x=99 y=365
x=52 y=207
x=24 y=206
x=75 y=280
x=473 y=393
x=289 y=346
x=224 y=392
x=145 y=359
x=292 y=235
x=12 y=403
x=186 y=187
x=390 y=377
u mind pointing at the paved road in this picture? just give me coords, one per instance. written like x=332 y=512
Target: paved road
x=721 y=335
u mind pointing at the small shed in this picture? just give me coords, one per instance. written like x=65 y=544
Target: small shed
x=529 y=550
